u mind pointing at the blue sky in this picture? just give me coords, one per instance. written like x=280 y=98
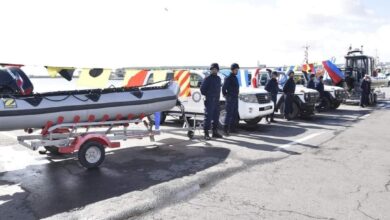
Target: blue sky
x=116 y=33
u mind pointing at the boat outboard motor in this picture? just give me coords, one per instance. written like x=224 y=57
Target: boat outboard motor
x=14 y=81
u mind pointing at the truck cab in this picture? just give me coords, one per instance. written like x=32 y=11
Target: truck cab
x=304 y=100
x=357 y=65
x=253 y=105
x=334 y=95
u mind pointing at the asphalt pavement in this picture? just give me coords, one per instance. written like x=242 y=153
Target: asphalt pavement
x=269 y=166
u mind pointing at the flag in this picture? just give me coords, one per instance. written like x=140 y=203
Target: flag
x=335 y=73
x=160 y=75
x=135 y=78
x=94 y=78
x=10 y=65
x=183 y=79
x=66 y=72
x=255 y=78
x=306 y=68
x=243 y=78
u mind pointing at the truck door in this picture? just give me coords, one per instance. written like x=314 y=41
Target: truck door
x=195 y=102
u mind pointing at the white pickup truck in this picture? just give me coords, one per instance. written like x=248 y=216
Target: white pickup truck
x=254 y=104
x=304 y=100
x=335 y=95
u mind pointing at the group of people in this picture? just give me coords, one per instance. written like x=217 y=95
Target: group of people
x=212 y=86
x=211 y=89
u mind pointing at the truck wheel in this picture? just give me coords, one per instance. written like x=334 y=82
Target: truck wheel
x=336 y=105
x=294 y=113
x=91 y=154
x=327 y=104
x=372 y=99
x=222 y=115
x=254 y=121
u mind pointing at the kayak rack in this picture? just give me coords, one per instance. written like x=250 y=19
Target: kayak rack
x=89 y=139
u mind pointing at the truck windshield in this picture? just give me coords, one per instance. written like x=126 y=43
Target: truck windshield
x=299 y=80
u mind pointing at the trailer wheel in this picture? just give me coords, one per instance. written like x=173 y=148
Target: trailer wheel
x=190 y=134
x=91 y=154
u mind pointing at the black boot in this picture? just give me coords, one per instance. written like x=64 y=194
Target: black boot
x=267 y=119
x=226 y=130
x=273 y=119
x=216 y=134
x=207 y=135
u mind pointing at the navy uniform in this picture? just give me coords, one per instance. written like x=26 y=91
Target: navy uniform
x=289 y=90
x=230 y=91
x=273 y=88
x=366 y=90
x=311 y=84
x=211 y=89
x=321 y=89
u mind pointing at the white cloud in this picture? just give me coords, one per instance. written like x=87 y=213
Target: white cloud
x=172 y=32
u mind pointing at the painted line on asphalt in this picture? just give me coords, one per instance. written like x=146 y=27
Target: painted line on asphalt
x=9 y=135
x=364 y=116
x=300 y=141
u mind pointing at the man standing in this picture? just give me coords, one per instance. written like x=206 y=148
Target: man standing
x=320 y=88
x=289 y=90
x=311 y=84
x=273 y=88
x=211 y=89
x=366 y=90
x=230 y=91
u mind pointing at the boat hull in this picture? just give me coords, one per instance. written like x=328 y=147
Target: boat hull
x=88 y=106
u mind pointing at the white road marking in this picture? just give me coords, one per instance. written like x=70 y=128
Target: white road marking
x=364 y=116
x=299 y=141
x=10 y=135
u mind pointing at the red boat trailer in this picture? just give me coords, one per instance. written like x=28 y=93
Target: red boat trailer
x=90 y=139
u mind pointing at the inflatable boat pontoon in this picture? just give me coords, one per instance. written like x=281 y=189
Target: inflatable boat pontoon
x=20 y=108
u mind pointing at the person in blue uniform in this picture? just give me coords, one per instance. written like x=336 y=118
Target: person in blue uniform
x=289 y=90
x=311 y=84
x=273 y=88
x=366 y=90
x=211 y=89
x=230 y=91
x=320 y=88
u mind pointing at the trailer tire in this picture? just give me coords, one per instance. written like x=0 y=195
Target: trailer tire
x=91 y=154
x=190 y=134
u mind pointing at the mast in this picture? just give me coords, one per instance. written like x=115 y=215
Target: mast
x=306 y=47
